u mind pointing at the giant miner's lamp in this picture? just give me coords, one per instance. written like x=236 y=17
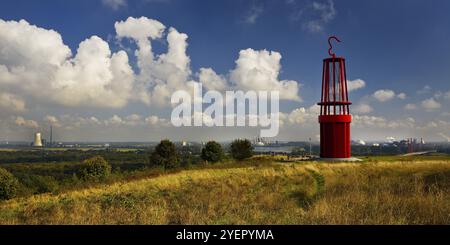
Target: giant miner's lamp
x=335 y=115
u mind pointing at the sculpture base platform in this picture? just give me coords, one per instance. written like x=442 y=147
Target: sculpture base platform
x=351 y=159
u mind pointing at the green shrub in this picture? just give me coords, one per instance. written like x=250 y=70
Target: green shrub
x=8 y=185
x=212 y=152
x=166 y=155
x=36 y=184
x=45 y=184
x=95 y=168
x=241 y=149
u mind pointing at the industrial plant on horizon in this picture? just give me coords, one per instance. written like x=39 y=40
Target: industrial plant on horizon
x=40 y=142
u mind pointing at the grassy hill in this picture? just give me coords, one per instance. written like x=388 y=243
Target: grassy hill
x=371 y=192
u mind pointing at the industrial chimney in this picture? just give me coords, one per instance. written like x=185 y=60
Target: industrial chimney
x=37 y=140
x=335 y=115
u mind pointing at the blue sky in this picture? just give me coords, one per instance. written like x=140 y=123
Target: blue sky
x=397 y=46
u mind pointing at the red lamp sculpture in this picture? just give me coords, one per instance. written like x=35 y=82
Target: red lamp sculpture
x=335 y=115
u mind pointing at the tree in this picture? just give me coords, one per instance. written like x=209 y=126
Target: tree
x=166 y=155
x=241 y=149
x=212 y=152
x=45 y=184
x=95 y=168
x=8 y=185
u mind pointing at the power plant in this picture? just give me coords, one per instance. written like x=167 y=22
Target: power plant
x=335 y=115
x=37 y=140
x=51 y=136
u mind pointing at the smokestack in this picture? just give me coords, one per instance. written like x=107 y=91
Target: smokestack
x=37 y=140
x=51 y=135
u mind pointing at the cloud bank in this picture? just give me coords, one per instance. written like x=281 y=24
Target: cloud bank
x=38 y=70
x=37 y=65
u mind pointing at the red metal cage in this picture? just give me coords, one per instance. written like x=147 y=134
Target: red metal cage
x=335 y=115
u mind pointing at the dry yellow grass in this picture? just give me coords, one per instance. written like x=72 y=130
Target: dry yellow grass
x=312 y=193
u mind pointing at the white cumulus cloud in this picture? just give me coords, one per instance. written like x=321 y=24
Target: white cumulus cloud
x=384 y=95
x=156 y=121
x=353 y=85
x=159 y=76
x=363 y=108
x=259 y=70
x=401 y=96
x=430 y=104
x=303 y=115
x=410 y=106
x=38 y=65
x=256 y=70
x=211 y=80
x=20 y=121
x=52 y=120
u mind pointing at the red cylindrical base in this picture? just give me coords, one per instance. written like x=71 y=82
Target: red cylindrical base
x=335 y=136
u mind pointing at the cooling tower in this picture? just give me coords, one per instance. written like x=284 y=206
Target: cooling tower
x=37 y=140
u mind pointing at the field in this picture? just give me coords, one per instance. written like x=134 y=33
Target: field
x=375 y=191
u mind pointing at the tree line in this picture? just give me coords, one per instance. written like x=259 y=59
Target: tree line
x=96 y=168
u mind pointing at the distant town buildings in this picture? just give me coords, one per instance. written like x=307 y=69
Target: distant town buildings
x=260 y=141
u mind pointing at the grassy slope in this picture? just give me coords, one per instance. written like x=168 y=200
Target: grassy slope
x=407 y=192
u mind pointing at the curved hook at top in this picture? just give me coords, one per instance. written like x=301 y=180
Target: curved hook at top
x=331 y=46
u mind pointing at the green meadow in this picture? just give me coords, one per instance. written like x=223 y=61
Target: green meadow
x=378 y=190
